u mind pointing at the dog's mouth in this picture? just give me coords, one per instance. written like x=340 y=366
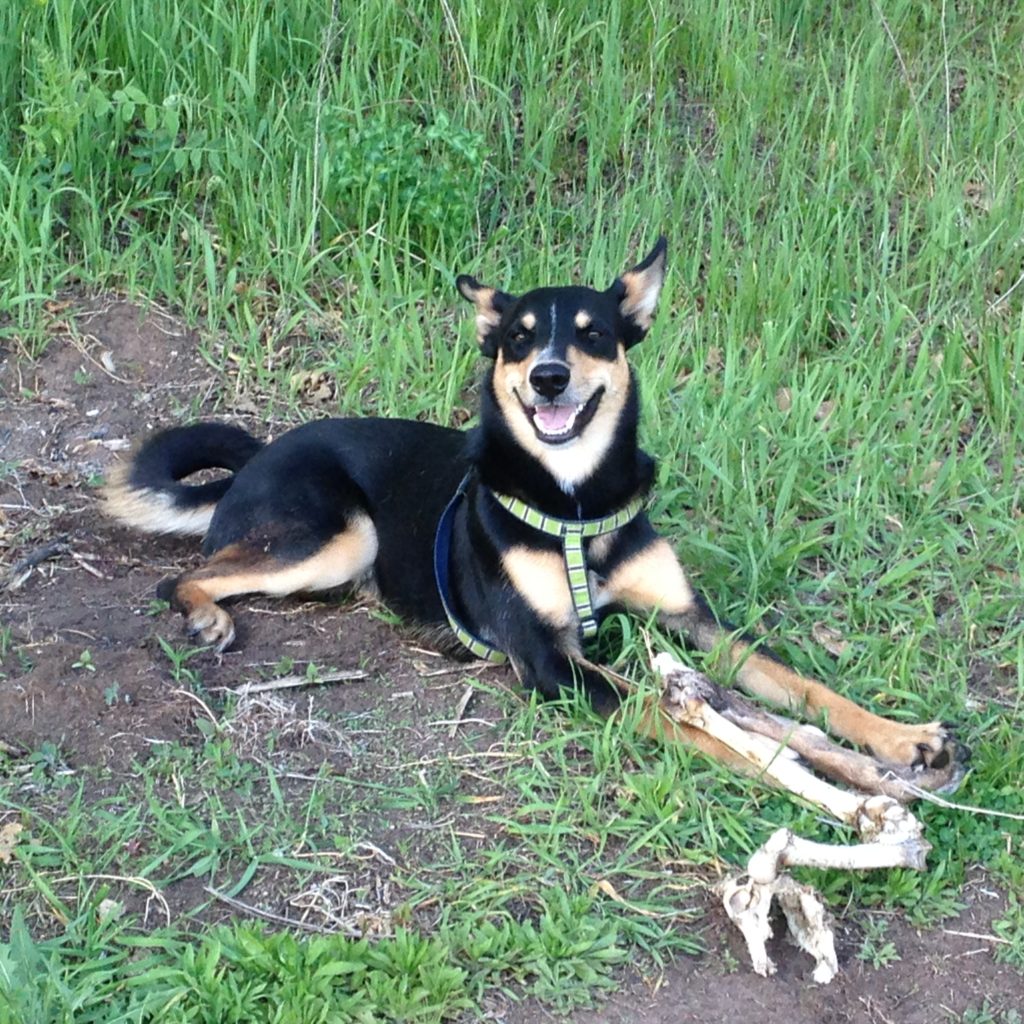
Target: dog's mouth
x=555 y=423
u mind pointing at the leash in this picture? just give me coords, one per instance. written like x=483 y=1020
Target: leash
x=571 y=532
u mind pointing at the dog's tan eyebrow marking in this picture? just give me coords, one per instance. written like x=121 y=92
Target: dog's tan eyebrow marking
x=529 y=321
x=582 y=319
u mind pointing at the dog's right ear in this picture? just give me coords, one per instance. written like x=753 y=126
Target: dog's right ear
x=490 y=304
x=637 y=293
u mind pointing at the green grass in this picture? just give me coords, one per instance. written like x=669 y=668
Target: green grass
x=833 y=388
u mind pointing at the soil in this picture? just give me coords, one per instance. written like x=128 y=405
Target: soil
x=939 y=973
x=74 y=582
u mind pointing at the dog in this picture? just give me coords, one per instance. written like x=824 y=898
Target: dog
x=517 y=536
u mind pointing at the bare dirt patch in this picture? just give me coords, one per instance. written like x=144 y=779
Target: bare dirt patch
x=82 y=668
x=939 y=974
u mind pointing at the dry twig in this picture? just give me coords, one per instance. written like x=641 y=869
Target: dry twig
x=460 y=710
x=22 y=569
x=266 y=915
x=292 y=681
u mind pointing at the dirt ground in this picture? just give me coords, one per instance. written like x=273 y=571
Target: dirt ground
x=75 y=582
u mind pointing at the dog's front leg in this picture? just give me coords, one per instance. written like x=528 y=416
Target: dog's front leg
x=546 y=663
x=927 y=748
x=539 y=628
x=652 y=580
x=552 y=667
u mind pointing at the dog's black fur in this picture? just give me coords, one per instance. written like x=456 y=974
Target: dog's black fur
x=337 y=500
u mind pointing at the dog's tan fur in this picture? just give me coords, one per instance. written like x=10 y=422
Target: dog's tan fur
x=568 y=465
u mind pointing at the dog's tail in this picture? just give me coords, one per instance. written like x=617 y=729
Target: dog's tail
x=146 y=492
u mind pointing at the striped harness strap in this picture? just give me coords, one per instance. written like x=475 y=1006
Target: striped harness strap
x=572 y=533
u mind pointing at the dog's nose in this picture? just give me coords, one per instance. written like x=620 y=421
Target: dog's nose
x=549 y=379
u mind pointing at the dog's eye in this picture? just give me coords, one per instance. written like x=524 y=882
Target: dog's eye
x=594 y=334
x=520 y=335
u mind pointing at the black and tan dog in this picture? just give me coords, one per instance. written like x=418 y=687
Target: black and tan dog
x=520 y=534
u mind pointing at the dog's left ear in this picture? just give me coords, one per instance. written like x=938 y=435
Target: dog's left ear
x=490 y=304
x=637 y=293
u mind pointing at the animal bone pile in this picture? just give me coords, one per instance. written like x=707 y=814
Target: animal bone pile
x=783 y=751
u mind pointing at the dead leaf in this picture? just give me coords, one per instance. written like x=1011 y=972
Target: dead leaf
x=48 y=473
x=8 y=840
x=977 y=195
x=823 y=411
x=783 y=399
x=714 y=361
x=109 y=910
x=829 y=638
x=610 y=891
x=929 y=475
x=315 y=386
x=243 y=405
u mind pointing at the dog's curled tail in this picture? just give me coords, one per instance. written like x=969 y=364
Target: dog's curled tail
x=146 y=492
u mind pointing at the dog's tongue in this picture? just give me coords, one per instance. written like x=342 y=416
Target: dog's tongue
x=553 y=419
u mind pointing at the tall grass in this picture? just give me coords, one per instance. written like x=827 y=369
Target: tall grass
x=803 y=165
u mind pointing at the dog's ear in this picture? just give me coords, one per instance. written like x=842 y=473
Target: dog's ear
x=637 y=293
x=490 y=304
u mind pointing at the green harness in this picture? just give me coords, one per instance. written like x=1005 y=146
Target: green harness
x=572 y=533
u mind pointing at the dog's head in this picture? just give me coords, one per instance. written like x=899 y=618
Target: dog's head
x=560 y=377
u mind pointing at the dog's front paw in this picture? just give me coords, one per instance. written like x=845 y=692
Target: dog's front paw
x=931 y=750
x=212 y=625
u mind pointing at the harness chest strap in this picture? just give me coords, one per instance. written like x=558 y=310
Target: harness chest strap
x=572 y=533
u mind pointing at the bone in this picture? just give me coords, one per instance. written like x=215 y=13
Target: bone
x=864 y=773
x=890 y=835
x=687 y=698
x=748 y=905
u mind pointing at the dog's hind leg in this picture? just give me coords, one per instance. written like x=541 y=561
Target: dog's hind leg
x=252 y=566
